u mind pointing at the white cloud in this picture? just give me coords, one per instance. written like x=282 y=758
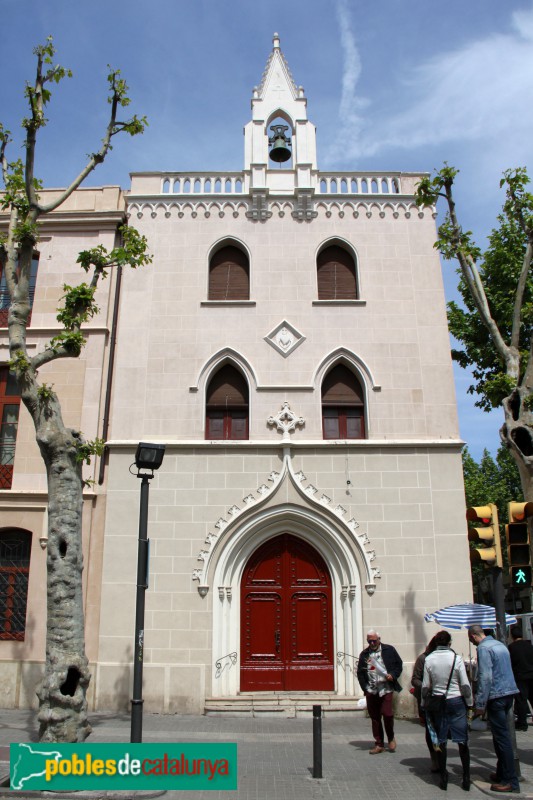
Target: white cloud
x=350 y=104
x=352 y=65
x=480 y=92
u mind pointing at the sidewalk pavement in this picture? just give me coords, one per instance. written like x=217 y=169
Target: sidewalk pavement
x=275 y=757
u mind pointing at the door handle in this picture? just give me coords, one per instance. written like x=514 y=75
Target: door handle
x=277 y=640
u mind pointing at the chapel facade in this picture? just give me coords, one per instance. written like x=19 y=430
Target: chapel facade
x=289 y=346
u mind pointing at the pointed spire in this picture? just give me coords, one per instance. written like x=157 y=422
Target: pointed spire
x=278 y=99
x=276 y=59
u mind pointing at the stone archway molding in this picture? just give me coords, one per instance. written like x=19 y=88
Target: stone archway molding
x=228 y=531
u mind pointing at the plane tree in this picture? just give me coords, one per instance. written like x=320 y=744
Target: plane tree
x=493 y=327
x=62 y=692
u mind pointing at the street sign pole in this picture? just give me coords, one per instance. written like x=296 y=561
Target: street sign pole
x=499 y=603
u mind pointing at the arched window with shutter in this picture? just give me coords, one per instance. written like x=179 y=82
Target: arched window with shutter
x=343 y=405
x=229 y=274
x=227 y=405
x=9 y=415
x=15 y=549
x=336 y=274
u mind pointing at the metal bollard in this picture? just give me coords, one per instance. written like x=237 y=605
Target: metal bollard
x=317 y=741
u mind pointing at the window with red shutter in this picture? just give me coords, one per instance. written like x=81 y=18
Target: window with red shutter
x=343 y=407
x=227 y=405
x=229 y=275
x=15 y=549
x=336 y=274
x=9 y=415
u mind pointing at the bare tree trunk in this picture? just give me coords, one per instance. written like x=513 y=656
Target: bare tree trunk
x=62 y=693
x=517 y=434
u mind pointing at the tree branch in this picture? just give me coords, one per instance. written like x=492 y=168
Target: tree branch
x=471 y=275
x=48 y=355
x=35 y=100
x=117 y=98
x=96 y=158
x=519 y=297
x=4 y=141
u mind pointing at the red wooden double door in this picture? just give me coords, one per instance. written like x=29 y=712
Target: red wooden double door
x=286 y=619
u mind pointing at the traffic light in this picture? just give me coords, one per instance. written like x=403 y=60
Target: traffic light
x=518 y=547
x=487 y=534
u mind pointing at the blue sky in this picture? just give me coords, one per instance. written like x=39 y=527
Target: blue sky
x=395 y=84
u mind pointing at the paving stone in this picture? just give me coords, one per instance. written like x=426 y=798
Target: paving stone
x=275 y=757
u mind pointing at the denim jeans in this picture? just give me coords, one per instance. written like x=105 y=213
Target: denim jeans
x=497 y=710
x=453 y=723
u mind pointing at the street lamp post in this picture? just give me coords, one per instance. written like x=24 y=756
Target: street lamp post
x=148 y=457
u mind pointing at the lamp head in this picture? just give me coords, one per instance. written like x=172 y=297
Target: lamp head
x=149 y=456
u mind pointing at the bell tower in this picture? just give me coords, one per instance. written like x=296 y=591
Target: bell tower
x=280 y=141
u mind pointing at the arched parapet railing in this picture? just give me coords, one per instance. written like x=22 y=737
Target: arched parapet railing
x=360 y=183
x=202 y=183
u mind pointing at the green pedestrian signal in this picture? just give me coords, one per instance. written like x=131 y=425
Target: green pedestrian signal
x=521 y=577
x=517 y=533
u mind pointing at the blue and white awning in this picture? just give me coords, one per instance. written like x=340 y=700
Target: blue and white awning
x=465 y=614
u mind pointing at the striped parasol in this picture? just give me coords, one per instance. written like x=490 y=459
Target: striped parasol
x=465 y=614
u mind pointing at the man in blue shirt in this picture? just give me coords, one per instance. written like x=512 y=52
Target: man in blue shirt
x=496 y=688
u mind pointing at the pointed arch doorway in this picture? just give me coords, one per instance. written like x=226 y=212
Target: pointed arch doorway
x=286 y=619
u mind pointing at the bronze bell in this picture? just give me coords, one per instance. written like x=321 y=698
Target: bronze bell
x=280 y=150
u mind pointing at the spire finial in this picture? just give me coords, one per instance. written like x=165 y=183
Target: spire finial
x=275 y=41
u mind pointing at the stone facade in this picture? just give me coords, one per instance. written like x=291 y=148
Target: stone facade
x=87 y=219
x=385 y=512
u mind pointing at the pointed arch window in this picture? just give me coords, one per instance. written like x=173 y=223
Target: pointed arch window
x=229 y=274
x=15 y=549
x=336 y=274
x=227 y=405
x=343 y=405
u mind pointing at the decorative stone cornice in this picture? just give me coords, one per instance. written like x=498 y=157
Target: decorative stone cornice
x=261 y=207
